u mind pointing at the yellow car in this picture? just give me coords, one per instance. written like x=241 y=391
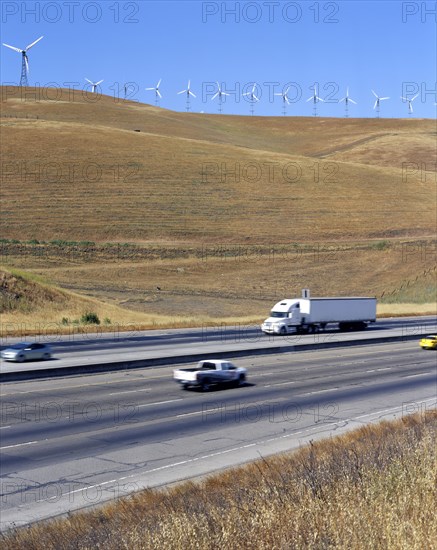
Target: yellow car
x=429 y=342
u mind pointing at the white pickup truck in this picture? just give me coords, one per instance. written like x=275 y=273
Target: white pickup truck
x=210 y=372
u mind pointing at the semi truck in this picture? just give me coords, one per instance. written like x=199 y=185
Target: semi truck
x=306 y=314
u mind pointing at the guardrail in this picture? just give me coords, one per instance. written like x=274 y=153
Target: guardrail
x=94 y=368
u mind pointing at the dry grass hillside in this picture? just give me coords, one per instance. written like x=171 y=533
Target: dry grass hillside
x=113 y=199
x=85 y=173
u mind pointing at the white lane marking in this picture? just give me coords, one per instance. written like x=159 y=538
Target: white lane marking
x=130 y=391
x=280 y=384
x=378 y=370
x=19 y=445
x=160 y=402
x=207 y=411
x=5 y=427
x=319 y=391
x=414 y=375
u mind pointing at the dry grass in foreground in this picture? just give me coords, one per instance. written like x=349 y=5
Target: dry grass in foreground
x=374 y=488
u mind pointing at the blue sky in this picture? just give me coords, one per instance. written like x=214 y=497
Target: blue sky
x=387 y=46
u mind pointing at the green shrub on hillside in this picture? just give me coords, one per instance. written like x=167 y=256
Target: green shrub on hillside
x=90 y=318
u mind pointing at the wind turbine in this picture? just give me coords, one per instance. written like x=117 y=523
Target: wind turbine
x=315 y=99
x=285 y=100
x=346 y=100
x=410 y=101
x=378 y=99
x=188 y=92
x=158 y=95
x=94 y=84
x=24 y=60
x=219 y=93
x=252 y=97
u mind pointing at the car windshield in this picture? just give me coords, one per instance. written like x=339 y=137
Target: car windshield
x=431 y=337
x=277 y=314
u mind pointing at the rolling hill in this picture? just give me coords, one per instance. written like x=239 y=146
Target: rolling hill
x=81 y=168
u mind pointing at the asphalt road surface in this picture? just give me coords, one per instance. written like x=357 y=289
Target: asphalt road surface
x=73 y=442
x=78 y=349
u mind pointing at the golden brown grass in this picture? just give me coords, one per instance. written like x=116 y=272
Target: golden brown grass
x=373 y=488
x=85 y=174
x=334 y=193
x=164 y=286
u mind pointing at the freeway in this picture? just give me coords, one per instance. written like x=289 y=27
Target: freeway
x=105 y=350
x=68 y=443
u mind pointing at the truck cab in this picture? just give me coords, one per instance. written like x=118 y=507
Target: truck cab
x=284 y=317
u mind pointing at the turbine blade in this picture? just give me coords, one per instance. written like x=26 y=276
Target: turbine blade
x=158 y=92
x=340 y=100
x=157 y=86
x=33 y=43
x=374 y=93
x=99 y=82
x=150 y=88
x=376 y=103
x=404 y=98
x=256 y=99
x=182 y=92
x=191 y=93
x=413 y=98
x=381 y=98
x=214 y=96
x=225 y=93
x=88 y=80
x=13 y=48
x=310 y=98
x=352 y=101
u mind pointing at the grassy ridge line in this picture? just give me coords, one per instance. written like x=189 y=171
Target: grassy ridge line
x=145 y=182
x=373 y=488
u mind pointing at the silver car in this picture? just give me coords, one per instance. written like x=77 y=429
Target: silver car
x=26 y=351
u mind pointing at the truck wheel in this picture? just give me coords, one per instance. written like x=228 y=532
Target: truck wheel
x=282 y=331
x=241 y=380
x=205 y=385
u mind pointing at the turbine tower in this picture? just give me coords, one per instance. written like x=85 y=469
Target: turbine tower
x=346 y=100
x=24 y=60
x=253 y=98
x=285 y=100
x=188 y=92
x=220 y=93
x=377 y=102
x=94 y=84
x=410 y=102
x=158 y=95
x=315 y=98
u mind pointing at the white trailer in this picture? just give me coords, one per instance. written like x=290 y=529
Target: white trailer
x=311 y=314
